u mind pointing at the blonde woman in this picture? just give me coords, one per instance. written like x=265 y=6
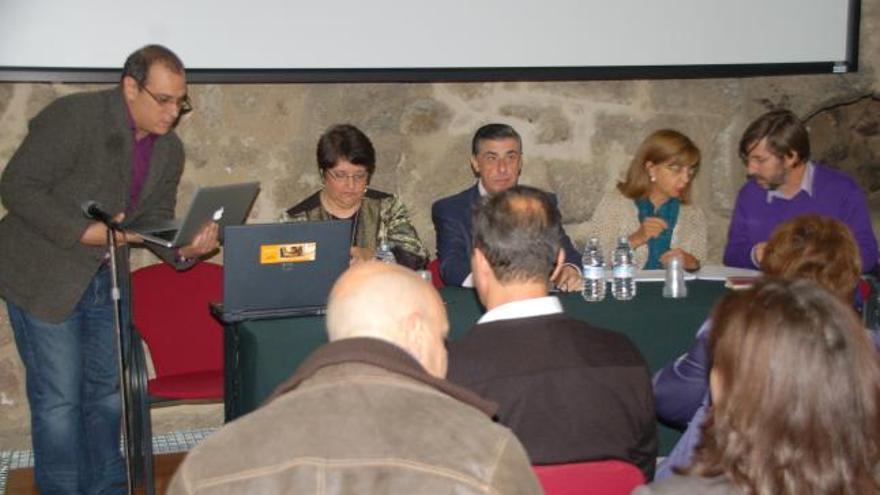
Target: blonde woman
x=652 y=208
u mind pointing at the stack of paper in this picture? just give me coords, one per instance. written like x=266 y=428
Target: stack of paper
x=708 y=272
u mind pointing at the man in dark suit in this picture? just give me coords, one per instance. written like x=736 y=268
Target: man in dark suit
x=496 y=159
x=569 y=391
x=116 y=147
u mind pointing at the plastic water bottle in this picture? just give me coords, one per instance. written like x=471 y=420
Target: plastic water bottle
x=384 y=253
x=593 y=265
x=623 y=285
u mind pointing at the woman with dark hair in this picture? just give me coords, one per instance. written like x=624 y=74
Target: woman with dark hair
x=812 y=247
x=795 y=385
x=346 y=161
x=652 y=206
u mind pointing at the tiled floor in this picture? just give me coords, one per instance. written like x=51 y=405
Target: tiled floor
x=178 y=441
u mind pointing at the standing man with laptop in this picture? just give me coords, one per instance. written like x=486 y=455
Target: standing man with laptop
x=116 y=147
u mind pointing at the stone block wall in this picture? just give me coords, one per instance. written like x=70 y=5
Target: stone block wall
x=578 y=139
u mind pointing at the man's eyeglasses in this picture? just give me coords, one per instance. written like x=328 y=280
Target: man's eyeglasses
x=358 y=178
x=183 y=104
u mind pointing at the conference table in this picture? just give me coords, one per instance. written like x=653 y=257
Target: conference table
x=260 y=354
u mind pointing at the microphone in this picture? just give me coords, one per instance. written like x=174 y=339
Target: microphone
x=95 y=211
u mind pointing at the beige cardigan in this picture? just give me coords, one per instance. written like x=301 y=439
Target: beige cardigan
x=617 y=216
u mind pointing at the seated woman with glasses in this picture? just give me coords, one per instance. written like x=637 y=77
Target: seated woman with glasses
x=796 y=398
x=652 y=208
x=346 y=161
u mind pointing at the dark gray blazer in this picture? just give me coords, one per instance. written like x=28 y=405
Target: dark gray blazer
x=78 y=148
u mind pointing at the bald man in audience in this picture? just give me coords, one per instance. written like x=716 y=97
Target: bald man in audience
x=369 y=412
x=569 y=391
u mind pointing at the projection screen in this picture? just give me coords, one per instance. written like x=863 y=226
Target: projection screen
x=417 y=40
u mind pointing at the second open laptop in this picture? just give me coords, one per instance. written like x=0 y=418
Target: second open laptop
x=278 y=270
x=226 y=205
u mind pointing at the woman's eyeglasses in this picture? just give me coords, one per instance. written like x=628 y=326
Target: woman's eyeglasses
x=358 y=177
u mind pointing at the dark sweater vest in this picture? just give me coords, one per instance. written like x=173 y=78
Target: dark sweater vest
x=569 y=391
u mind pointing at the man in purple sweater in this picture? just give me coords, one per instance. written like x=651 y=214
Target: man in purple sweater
x=783 y=184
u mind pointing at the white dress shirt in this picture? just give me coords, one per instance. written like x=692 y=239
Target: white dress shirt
x=537 y=306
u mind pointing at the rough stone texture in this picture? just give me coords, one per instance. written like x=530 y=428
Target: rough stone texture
x=848 y=136
x=424 y=117
x=14 y=419
x=5 y=98
x=578 y=137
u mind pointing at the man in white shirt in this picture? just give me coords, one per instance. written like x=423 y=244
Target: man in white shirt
x=569 y=391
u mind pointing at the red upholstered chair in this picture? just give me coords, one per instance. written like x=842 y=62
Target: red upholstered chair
x=434 y=268
x=610 y=477
x=170 y=310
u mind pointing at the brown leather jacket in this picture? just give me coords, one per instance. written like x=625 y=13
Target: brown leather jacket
x=361 y=416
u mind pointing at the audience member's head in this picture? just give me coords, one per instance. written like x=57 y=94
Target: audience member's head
x=818 y=248
x=496 y=156
x=795 y=385
x=393 y=304
x=666 y=159
x=517 y=239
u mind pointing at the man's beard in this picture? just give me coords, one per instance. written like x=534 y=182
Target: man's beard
x=775 y=182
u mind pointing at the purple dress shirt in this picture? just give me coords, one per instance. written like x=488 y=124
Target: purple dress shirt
x=834 y=194
x=140 y=164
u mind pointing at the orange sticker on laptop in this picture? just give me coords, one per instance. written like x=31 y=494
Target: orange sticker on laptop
x=288 y=253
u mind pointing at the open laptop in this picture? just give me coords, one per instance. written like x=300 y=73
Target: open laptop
x=226 y=205
x=278 y=270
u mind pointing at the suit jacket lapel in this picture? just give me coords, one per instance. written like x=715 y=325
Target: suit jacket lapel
x=119 y=118
x=473 y=196
x=474 y=193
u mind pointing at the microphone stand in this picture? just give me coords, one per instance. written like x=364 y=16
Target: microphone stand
x=131 y=387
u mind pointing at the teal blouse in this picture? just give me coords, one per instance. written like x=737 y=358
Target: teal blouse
x=668 y=211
